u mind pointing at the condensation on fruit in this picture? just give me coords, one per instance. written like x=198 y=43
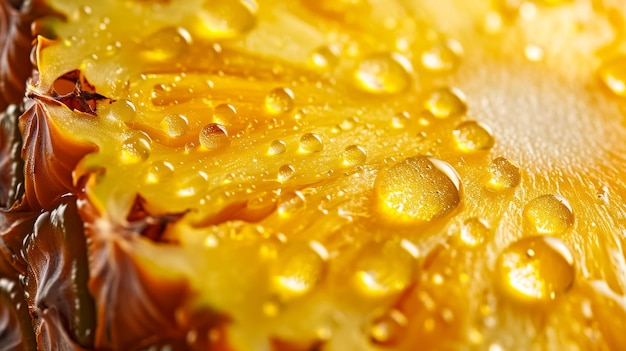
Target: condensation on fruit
x=536 y=268
x=311 y=142
x=136 y=148
x=299 y=267
x=417 y=190
x=175 y=125
x=213 y=136
x=502 y=174
x=224 y=114
x=473 y=136
x=445 y=103
x=385 y=73
x=223 y=19
x=159 y=171
x=549 y=214
x=279 y=101
x=354 y=155
x=166 y=44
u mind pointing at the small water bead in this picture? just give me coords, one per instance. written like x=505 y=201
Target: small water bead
x=325 y=56
x=503 y=174
x=385 y=268
x=285 y=172
x=383 y=73
x=549 y=214
x=213 y=136
x=474 y=232
x=537 y=268
x=299 y=268
x=175 y=125
x=388 y=329
x=228 y=18
x=443 y=56
x=473 y=136
x=136 y=148
x=417 y=190
x=160 y=171
x=446 y=103
x=291 y=203
x=166 y=43
x=224 y=114
x=400 y=120
x=310 y=143
x=122 y=110
x=613 y=74
x=277 y=147
x=354 y=155
x=279 y=101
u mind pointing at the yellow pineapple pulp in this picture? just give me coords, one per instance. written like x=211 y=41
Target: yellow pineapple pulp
x=340 y=175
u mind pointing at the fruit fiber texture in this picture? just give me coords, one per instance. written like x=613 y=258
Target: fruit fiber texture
x=312 y=175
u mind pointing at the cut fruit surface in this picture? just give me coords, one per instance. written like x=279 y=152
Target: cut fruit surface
x=330 y=175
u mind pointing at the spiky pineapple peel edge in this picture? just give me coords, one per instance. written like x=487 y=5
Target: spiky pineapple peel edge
x=552 y=176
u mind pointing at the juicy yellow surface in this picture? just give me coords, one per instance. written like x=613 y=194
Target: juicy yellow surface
x=399 y=174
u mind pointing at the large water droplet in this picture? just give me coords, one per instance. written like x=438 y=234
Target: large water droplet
x=442 y=56
x=213 y=136
x=388 y=328
x=122 y=110
x=417 y=190
x=613 y=74
x=311 y=142
x=473 y=136
x=537 y=268
x=228 y=18
x=299 y=267
x=160 y=171
x=175 y=125
x=503 y=174
x=285 y=172
x=166 y=44
x=383 y=73
x=224 y=114
x=549 y=214
x=277 y=147
x=279 y=100
x=136 y=148
x=474 y=232
x=446 y=102
x=354 y=155
x=384 y=268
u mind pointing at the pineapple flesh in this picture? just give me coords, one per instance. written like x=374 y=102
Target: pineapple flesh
x=316 y=175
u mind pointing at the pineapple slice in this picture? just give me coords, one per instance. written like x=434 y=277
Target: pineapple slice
x=334 y=175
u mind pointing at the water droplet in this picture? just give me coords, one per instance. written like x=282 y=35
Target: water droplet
x=533 y=53
x=385 y=268
x=446 y=102
x=285 y=172
x=279 y=100
x=277 y=147
x=400 y=120
x=159 y=171
x=166 y=44
x=537 y=268
x=383 y=73
x=136 y=148
x=443 y=56
x=325 y=56
x=549 y=214
x=213 y=136
x=224 y=114
x=311 y=142
x=122 y=110
x=175 y=125
x=613 y=74
x=299 y=267
x=473 y=136
x=388 y=329
x=354 y=155
x=417 y=190
x=228 y=18
x=503 y=174
x=474 y=232
x=291 y=203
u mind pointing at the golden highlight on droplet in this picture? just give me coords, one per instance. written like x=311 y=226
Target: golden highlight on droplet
x=535 y=269
x=298 y=268
x=549 y=214
x=417 y=190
